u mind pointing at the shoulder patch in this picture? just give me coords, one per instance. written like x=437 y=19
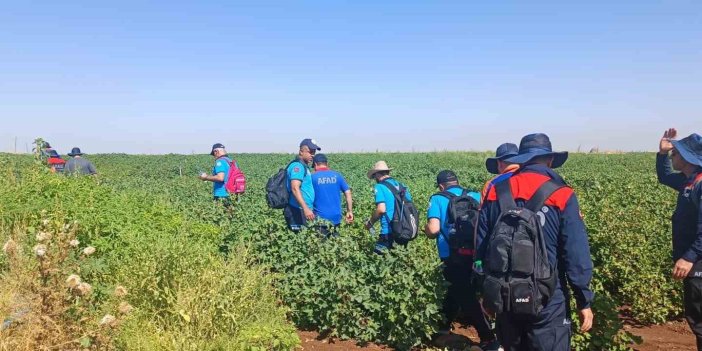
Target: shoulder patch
x=219 y=163
x=296 y=169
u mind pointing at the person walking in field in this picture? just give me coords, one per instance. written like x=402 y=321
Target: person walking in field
x=531 y=245
x=498 y=165
x=390 y=195
x=300 y=188
x=220 y=171
x=55 y=162
x=78 y=165
x=451 y=220
x=679 y=166
x=328 y=187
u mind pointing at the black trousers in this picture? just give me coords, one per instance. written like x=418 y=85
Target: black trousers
x=295 y=218
x=462 y=296
x=692 y=297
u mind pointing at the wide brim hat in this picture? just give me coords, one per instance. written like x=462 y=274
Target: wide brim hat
x=75 y=152
x=690 y=148
x=502 y=153
x=536 y=145
x=379 y=166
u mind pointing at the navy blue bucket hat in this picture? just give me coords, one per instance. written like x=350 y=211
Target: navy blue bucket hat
x=535 y=145
x=75 y=152
x=503 y=152
x=690 y=148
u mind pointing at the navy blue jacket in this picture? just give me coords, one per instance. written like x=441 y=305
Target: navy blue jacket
x=687 y=218
x=564 y=231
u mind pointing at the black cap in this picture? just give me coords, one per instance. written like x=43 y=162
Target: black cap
x=216 y=146
x=319 y=158
x=311 y=144
x=446 y=176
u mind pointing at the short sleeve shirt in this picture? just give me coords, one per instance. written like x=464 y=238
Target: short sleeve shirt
x=438 y=208
x=384 y=195
x=79 y=165
x=328 y=186
x=299 y=171
x=221 y=166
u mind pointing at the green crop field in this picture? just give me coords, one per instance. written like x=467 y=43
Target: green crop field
x=201 y=280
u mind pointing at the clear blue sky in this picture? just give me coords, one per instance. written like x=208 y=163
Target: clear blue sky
x=355 y=75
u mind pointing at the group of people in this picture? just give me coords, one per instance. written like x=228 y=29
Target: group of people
x=462 y=222
x=76 y=164
x=517 y=250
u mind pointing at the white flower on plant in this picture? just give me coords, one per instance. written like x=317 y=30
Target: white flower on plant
x=45 y=222
x=88 y=251
x=40 y=250
x=43 y=236
x=73 y=281
x=108 y=320
x=120 y=291
x=84 y=289
x=74 y=243
x=10 y=247
x=125 y=308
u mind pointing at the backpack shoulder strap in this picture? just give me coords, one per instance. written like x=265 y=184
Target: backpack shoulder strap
x=542 y=194
x=697 y=197
x=393 y=190
x=504 y=195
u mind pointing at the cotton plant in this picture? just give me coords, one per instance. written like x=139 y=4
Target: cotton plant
x=52 y=304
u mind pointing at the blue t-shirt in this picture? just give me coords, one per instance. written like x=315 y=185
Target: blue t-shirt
x=384 y=195
x=438 y=208
x=328 y=186
x=299 y=171
x=221 y=166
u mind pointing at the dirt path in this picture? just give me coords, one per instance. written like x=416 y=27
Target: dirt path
x=672 y=336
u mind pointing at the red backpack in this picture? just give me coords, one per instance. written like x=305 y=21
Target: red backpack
x=236 y=180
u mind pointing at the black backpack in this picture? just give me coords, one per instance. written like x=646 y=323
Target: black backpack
x=404 y=224
x=518 y=276
x=277 y=194
x=462 y=215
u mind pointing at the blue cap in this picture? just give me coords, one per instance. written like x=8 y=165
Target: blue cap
x=54 y=154
x=311 y=144
x=319 y=158
x=503 y=152
x=690 y=148
x=216 y=146
x=535 y=145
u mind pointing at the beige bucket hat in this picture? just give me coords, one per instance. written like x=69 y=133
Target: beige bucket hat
x=378 y=167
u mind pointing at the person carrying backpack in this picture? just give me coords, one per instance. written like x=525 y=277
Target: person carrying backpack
x=531 y=245
x=220 y=172
x=394 y=209
x=451 y=220
x=299 y=187
x=497 y=165
x=55 y=162
x=685 y=157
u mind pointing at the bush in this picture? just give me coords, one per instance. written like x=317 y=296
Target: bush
x=185 y=294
